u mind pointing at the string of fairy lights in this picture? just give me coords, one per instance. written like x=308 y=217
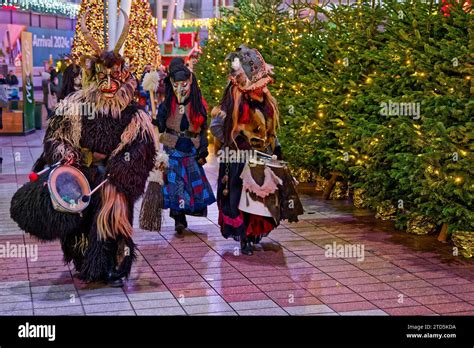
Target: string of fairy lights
x=56 y=7
x=141 y=46
x=295 y=34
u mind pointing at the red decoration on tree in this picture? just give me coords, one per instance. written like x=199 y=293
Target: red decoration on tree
x=445 y=9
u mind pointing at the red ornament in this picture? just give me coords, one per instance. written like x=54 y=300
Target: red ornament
x=445 y=9
x=33 y=177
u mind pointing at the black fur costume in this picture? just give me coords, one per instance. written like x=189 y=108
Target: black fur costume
x=32 y=209
x=116 y=142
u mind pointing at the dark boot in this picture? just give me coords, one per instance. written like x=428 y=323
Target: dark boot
x=114 y=279
x=180 y=228
x=180 y=223
x=245 y=247
x=113 y=276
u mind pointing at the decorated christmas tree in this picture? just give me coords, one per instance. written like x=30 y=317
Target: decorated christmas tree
x=420 y=151
x=274 y=31
x=141 y=46
x=378 y=94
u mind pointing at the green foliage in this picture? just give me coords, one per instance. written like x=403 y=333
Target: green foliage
x=334 y=76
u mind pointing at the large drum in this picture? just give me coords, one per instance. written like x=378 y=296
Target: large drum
x=67 y=185
x=51 y=206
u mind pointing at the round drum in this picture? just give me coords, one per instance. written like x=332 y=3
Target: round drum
x=66 y=186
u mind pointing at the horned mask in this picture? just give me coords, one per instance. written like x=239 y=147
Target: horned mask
x=108 y=69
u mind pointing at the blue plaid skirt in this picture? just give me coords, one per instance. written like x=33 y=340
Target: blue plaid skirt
x=186 y=188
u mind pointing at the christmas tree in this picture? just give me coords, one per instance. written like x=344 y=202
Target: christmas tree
x=274 y=31
x=380 y=94
x=420 y=151
x=141 y=46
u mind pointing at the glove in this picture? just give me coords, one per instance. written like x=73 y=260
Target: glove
x=201 y=158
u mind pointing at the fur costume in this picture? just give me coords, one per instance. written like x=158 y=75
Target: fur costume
x=114 y=141
x=247 y=118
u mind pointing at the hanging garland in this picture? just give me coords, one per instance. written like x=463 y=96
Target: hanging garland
x=55 y=7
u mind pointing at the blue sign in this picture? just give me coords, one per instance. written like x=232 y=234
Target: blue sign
x=48 y=42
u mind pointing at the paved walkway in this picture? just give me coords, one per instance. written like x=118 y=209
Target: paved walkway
x=203 y=274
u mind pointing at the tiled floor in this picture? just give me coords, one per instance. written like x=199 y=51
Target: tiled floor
x=204 y=274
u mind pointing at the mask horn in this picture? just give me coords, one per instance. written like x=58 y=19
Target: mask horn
x=124 y=34
x=88 y=36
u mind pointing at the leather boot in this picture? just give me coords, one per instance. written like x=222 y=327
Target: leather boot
x=246 y=248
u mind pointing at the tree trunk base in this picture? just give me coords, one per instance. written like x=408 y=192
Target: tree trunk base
x=330 y=185
x=443 y=234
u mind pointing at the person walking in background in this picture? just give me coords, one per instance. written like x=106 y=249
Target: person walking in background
x=45 y=76
x=53 y=93
x=3 y=98
x=143 y=95
x=71 y=82
x=146 y=70
x=161 y=91
x=11 y=79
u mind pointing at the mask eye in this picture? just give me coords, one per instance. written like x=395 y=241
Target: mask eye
x=116 y=74
x=101 y=75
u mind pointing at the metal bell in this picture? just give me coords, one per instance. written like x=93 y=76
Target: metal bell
x=225 y=179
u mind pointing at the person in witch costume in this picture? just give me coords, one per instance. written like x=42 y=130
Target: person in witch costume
x=116 y=142
x=247 y=118
x=181 y=120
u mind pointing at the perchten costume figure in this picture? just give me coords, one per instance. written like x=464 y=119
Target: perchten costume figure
x=102 y=132
x=255 y=192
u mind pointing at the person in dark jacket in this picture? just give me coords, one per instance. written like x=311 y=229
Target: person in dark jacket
x=71 y=81
x=182 y=123
x=12 y=80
